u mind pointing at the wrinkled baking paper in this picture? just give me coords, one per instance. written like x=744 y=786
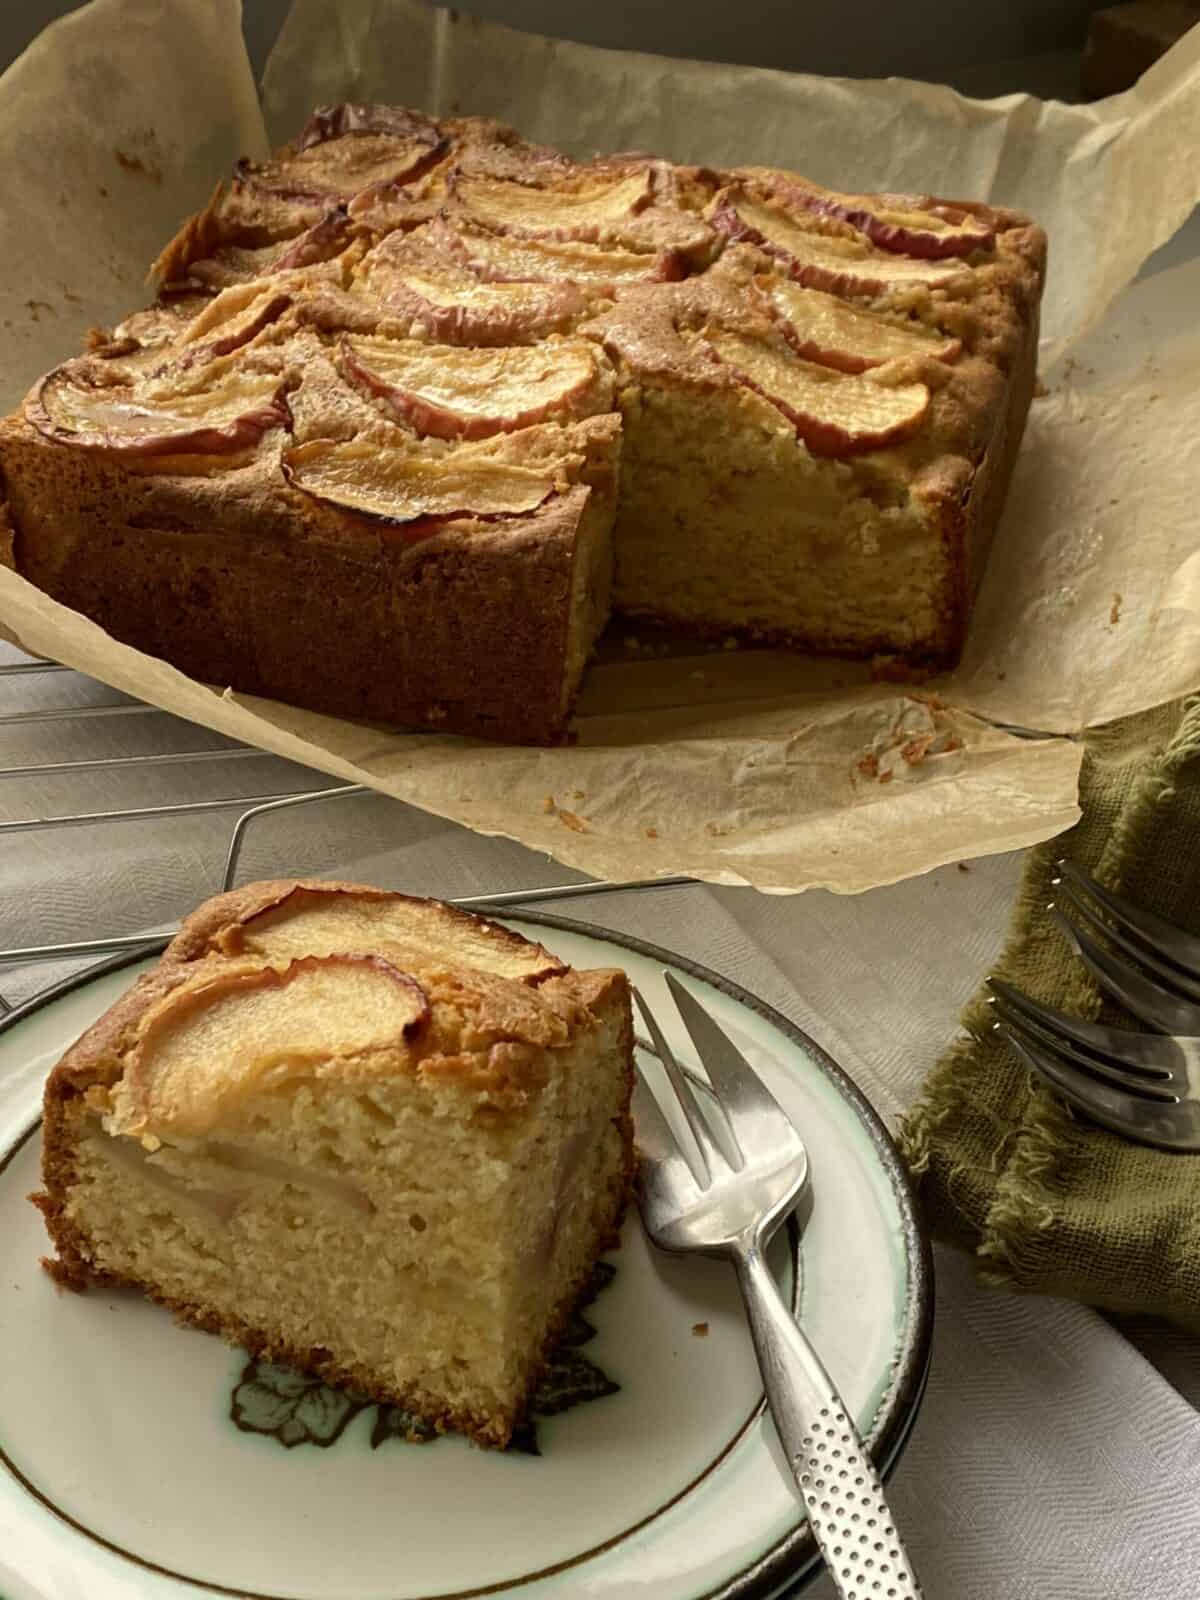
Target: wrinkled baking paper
x=736 y=766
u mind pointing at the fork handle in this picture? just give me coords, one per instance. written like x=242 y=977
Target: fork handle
x=842 y=1492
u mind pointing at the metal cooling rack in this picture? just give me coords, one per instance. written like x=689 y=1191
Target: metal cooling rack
x=58 y=735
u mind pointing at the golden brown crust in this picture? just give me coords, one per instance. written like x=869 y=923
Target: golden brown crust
x=229 y=570
x=485 y=1032
x=199 y=236
x=206 y=931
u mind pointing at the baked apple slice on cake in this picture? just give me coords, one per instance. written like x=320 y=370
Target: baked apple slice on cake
x=836 y=414
x=417 y=484
x=603 y=269
x=405 y=488
x=840 y=262
x=584 y=209
x=446 y=393
x=348 y=148
x=910 y=225
x=232 y=263
x=615 y=204
x=316 y=918
x=435 y=294
x=85 y=405
x=827 y=329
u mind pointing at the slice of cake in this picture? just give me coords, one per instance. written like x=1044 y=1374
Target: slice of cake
x=374 y=1137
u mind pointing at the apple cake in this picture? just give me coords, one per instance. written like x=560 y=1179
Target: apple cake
x=371 y=1136
x=420 y=403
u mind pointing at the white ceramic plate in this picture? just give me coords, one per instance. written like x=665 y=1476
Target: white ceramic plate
x=126 y=1479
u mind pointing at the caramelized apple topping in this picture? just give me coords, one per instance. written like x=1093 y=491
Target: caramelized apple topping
x=823 y=328
x=234 y=318
x=156 y=327
x=214 y=1041
x=335 y=122
x=328 y=163
x=385 y=207
x=318 y=919
x=321 y=242
x=79 y=404
x=835 y=414
x=825 y=261
x=898 y=222
x=474 y=393
x=404 y=487
x=582 y=212
x=513 y=160
x=446 y=301
x=233 y=263
x=605 y=270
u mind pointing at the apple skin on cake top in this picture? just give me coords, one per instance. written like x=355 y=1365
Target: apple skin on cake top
x=420 y=403
x=373 y=1137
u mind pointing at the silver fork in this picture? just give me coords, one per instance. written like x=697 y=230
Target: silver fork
x=729 y=1203
x=1145 y=1086
x=1163 y=988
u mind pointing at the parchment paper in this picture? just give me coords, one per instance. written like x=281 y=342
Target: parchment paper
x=738 y=767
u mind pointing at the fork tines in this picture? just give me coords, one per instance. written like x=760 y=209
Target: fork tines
x=1134 y=1061
x=1138 y=1084
x=748 y=1108
x=1153 y=945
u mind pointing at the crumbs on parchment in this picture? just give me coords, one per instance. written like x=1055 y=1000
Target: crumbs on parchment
x=145 y=169
x=569 y=819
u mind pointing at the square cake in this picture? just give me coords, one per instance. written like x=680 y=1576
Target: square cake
x=376 y=1138
x=419 y=404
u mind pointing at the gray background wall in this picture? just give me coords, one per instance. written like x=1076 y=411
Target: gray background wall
x=978 y=45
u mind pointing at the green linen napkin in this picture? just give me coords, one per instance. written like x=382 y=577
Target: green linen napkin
x=1048 y=1202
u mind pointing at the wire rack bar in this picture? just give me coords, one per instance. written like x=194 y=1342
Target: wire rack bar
x=180 y=808
x=82 y=947
x=266 y=805
x=80 y=713
x=15 y=669
x=567 y=891
x=50 y=769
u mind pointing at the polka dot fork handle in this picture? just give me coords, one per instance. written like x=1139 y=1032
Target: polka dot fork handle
x=842 y=1493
